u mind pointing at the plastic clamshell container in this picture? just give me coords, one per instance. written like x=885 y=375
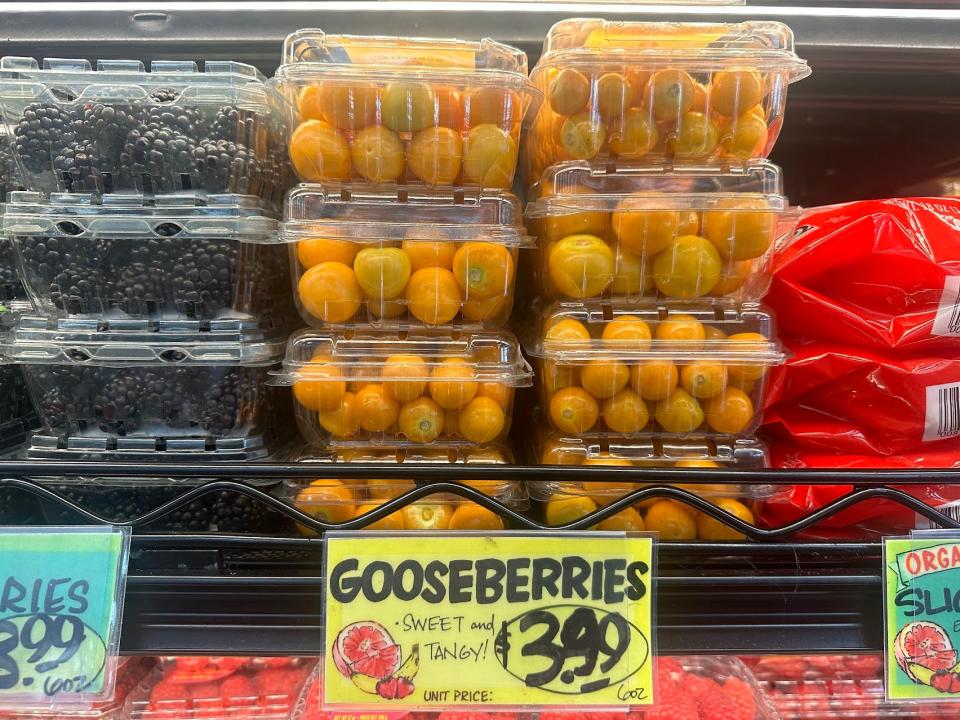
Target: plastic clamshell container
x=660 y=92
x=416 y=387
x=555 y=449
x=189 y=255
x=729 y=677
x=392 y=255
x=159 y=448
x=122 y=500
x=633 y=233
x=136 y=378
x=17 y=416
x=336 y=501
x=221 y=689
x=667 y=372
x=130 y=672
x=410 y=111
x=846 y=687
x=452 y=455
x=119 y=127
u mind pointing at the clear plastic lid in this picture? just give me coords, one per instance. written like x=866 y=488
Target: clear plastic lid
x=124 y=342
x=147 y=449
x=760 y=44
x=23 y=79
x=180 y=215
x=656 y=451
x=371 y=54
x=668 y=337
x=393 y=213
x=452 y=455
x=359 y=352
x=575 y=187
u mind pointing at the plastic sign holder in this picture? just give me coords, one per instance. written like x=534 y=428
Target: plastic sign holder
x=61 y=601
x=481 y=620
x=922 y=614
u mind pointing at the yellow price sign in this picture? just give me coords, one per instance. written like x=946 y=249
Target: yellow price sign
x=508 y=619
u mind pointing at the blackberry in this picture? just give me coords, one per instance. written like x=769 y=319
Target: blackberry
x=222 y=511
x=161 y=156
x=117 y=406
x=10 y=288
x=204 y=275
x=185 y=120
x=235 y=125
x=79 y=167
x=164 y=95
x=107 y=126
x=43 y=128
x=62 y=395
x=222 y=403
x=139 y=277
x=227 y=167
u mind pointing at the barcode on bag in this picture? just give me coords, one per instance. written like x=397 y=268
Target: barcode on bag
x=947 y=321
x=943 y=412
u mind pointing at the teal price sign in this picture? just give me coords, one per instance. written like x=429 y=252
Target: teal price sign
x=61 y=599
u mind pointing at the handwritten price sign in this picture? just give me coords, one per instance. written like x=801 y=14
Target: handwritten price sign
x=510 y=619
x=60 y=601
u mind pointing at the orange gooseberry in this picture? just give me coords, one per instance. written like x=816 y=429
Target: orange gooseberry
x=452 y=383
x=671 y=520
x=569 y=91
x=319 y=152
x=632 y=277
x=427 y=516
x=645 y=230
x=679 y=413
x=470 y=516
x=581 y=266
x=341 y=422
x=655 y=379
x=482 y=420
x=489 y=157
x=348 y=107
x=421 y=420
x=328 y=500
x=377 y=154
x=382 y=272
x=319 y=385
x=730 y=412
x=582 y=136
x=407 y=107
x=627 y=331
x=567 y=330
x=670 y=94
x=429 y=247
x=745 y=136
x=433 y=296
x=314 y=251
x=704 y=379
x=687 y=268
x=696 y=136
x=634 y=135
x=492 y=312
x=498 y=392
x=710 y=529
x=625 y=413
x=393 y=521
x=492 y=105
x=377 y=410
x=330 y=291
x=627 y=520
x=435 y=155
x=604 y=378
x=310 y=103
x=565 y=509
x=741 y=228
x=681 y=328
x=405 y=376
x=483 y=270
x=735 y=91
x=613 y=95
x=574 y=410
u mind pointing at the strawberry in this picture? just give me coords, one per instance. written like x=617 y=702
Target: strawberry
x=696 y=685
x=741 y=693
x=277 y=681
x=864 y=666
x=719 y=706
x=782 y=668
x=673 y=704
x=238 y=691
x=168 y=695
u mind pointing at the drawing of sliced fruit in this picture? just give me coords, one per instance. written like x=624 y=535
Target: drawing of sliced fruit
x=924 y=647
x=366 y=648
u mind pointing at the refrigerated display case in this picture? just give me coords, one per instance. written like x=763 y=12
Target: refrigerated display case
x=199 y=586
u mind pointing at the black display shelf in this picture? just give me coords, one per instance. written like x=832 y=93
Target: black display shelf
x=264 y=596
x=223 y=594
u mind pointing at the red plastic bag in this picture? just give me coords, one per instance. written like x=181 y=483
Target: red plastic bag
x=867 y=518
x=854 y=401
x=882 y=274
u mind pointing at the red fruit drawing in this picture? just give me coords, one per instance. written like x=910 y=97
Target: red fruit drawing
x=366 y=648
x=394 y=688
x=925 y=644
